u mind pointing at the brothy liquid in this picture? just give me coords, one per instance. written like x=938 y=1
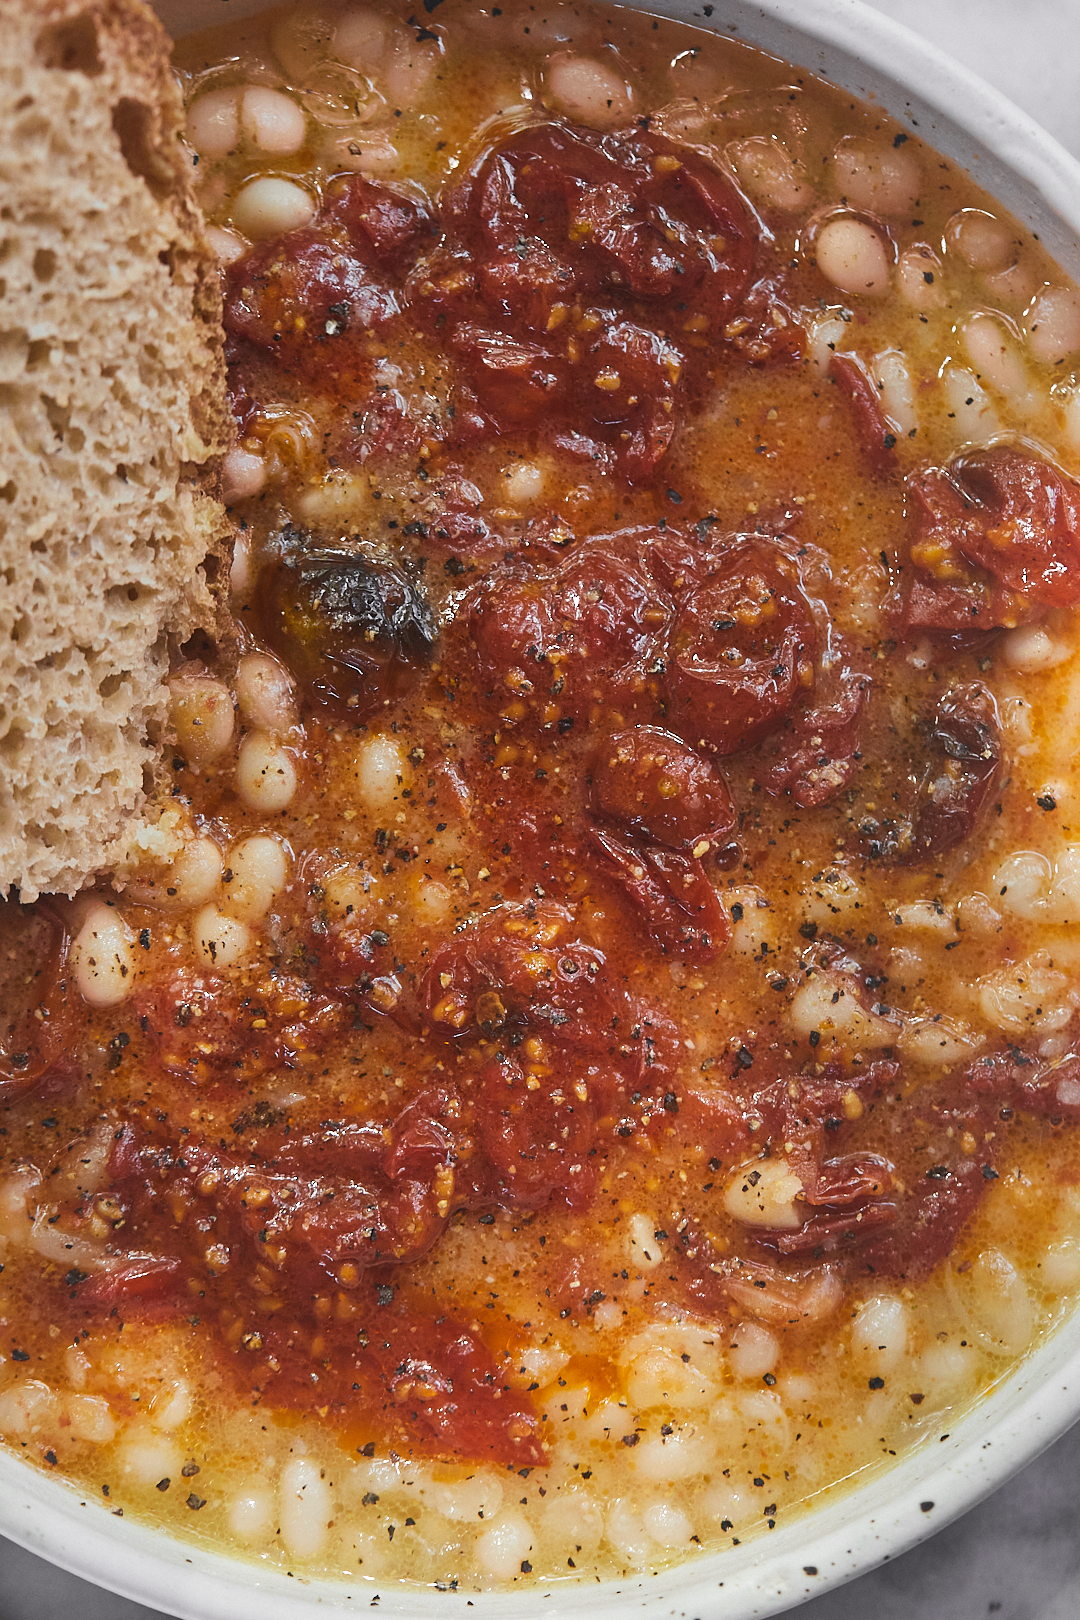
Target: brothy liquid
x=578 y=1061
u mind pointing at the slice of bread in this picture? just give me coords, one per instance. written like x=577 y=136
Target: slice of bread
x=113 y=419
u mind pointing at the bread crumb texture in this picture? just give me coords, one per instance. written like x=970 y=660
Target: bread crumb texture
x=112 y=421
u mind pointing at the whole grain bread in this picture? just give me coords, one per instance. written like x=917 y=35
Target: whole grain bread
x=113 y=419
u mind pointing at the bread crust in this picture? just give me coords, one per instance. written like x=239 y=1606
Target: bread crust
x=113 y=421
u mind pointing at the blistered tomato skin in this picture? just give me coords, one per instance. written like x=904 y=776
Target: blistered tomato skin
x=742 y=650
x=648 y=782
x=589 y=271
x=995 y=543
x=670 y=890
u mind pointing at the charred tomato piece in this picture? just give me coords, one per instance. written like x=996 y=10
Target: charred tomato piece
x=349 y=628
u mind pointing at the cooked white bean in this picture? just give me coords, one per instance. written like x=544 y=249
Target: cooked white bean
x=667 y=1525
x=927 y=917
x=28 y=1407
x=251 y=1514
x=1001 y=1305
x=573 y=1517
x=367 y=151
x=265 y=773
x=897 y=390
x=364 y=39
x=1028 y=995
x=1063 y=901
x=665 y=1458
x=1022 y=882
x=882 y=179
x=213 y=125
x=379 y=771
x=219 y=939
x=997 y=360
x=477 y=1498
x=272 y=120
x=1016 y=285
x=920 y=279
x=1053 y=325
x=764 y=1193
x=658 y=1377
x=753 y=1350
x=226 y=246
x=269 y=206
x=1060 y=1266
x=852 y=255
x=101 y=960
x=1032 y=648
x=503 y=1545
x=432 y=901
x=756 y=928
x=646 y=1250
x=145 y=1458
x=201 y=712
x=626 y=1534
x=943 y=1369
x=265 y=693
x=90 y=1419
x=879 y=1333
x=191 y=880
x=243 y=475
x=260 y=870
x=171 y=1406
x=835 y=892
x=723 y=1501
x=304 y=1507
x=828 y=1004
x=589 y=90
x=826 y=334
x=240 y=572
x=302 y=39
x=768 y=174
x=409 y=72
x=973 y=414
x=937 y=1042
x=981 y=240
x=523 y=483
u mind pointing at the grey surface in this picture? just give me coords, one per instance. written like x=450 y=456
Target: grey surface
x=1017 y=1556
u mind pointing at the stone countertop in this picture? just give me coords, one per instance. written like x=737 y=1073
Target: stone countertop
x=1017 y=1555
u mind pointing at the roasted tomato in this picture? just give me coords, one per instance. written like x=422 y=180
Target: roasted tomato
x=349 y=628
x=580 y=275
x=678 y=904
x=35 y=1018
x=995 y=543
x=650 y=783
x=742 y=649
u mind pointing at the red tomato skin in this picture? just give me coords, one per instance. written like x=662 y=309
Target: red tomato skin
x=648 y=782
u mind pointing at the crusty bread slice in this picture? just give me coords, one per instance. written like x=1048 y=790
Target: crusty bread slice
x=112 y=416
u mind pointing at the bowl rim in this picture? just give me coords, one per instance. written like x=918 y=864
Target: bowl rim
x=856 y=1527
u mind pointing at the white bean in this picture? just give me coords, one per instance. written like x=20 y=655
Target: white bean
x=828 y=1004
x=28 y=1407
x=667 y=1525
x=243 y=475
x=982 y=241
x=304 y=1508
x=523 y=483
x=503 y=1545
x=882 y=179
x=974 y=417
x=1030 y=648
x=477 y=1498
x=664 y=1459
x=1063 y=901
x=145 y=1459
x=627 y=1535
x=218 y=939
x=240 y=572
x=937 y=1042
x=379 y=770
x=409 y=73
x=213 y=127
x=919 y=277
x=763 y=1193
x=226 y=246
x=90 y=1419
x=768 y=174
x=852 y=255
x=265 y=773
x=1022 y=882
x=1060 y=1266
x=879 y=1333
x=269 y=206
x=897 y=390
x=201 y=712
x=753 y=1350
x=589 y=90
x=660 y=1378
x=191 y=880
x=251 y=1514
x=1028 y=995
x=646 y=1250
x=171 y=1406
x=1053 y=325
x=996 y=359
x=1002 y=1306
x=101 y=959
x=265 y=693
x=259 y=868
x=573 y=1519
x=363 y=40
x=272 y=120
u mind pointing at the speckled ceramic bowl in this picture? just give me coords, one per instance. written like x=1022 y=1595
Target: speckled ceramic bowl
x=951 y=1470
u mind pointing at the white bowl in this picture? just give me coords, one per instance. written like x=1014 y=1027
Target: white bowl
x=1021 y=165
